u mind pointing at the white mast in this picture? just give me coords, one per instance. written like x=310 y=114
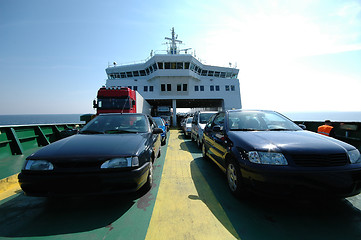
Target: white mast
x=173 y=43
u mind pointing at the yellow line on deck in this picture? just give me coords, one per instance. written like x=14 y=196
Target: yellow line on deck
x=179 y=211
x=9 y=186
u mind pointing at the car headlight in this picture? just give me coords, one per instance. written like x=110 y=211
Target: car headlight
x=270 y=158
x=38 y=165
x=121 y=162
x=354 y=156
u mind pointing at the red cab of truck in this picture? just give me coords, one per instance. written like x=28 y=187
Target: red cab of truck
x=120 y=100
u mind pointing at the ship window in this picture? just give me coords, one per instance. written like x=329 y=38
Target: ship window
x=154 y=66
x=145 y=88
x=210 y=73
x=179 y=65
x=199 y=70
x=227 y=87
x=192 y=66
x=135 y=88
x=169 y=87
x=185 y=87
x=151 y=69
x=142 y=72
x=162 y=87
x=228 y=75
x=233 y=88
x=110 y=76
x=167 y=65
x=160 y=65
x=202 y=88
x=151 y=88
x=129 y=74
x=211 y=88
x=147 y=70
x=217 y=87
x=196 y=88
x=216 y=74
x=130 y=87
x=135 y=73
x=223 y=74
x=234 y=75
x=204 y=73
x=122 y=75
x=186 y=65
x=179 y=87
x=173 y=65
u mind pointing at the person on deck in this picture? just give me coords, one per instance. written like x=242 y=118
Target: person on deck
x=327 y=129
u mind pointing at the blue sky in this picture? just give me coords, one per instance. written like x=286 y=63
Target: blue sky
x=292 y=55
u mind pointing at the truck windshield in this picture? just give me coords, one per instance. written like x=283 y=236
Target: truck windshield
x=114 y=103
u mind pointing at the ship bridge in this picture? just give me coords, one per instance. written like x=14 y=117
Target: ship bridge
x=179 y=80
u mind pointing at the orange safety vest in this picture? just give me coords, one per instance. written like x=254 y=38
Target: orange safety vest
x=324 y=130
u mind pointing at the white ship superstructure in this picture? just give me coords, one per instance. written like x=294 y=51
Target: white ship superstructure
x=179 y=80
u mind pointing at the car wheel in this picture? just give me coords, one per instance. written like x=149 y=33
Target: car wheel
x=234 y=178
x=204 y=151
x=199 y=143
x=149 y=183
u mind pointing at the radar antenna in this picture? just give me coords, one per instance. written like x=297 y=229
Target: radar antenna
x=173 y=43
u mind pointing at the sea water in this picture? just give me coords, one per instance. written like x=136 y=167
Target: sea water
x=39 y=119
x=75 y=118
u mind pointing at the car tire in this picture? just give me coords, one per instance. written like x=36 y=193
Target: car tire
x=204 y=151
x=234 y=178
x=149 y=183
x=199 y=142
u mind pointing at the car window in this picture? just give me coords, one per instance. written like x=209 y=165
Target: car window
x=204 y=117
x=260 y=121
x=117 y=123
x=219 y=120
x=210 y=122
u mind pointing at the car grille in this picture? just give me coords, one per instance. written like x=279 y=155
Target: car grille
x=78 y=165
x=315 y=160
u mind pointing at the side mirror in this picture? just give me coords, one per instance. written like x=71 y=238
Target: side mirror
x=217 y=128
x=302 y=126
x=157 y=130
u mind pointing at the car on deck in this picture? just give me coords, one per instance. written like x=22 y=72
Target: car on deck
x=161 y=124
x=113 y=153
x=265 y=152
x=187 y=126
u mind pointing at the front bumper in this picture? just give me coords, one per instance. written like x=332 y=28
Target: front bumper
x=333 y=182
x=78 y=183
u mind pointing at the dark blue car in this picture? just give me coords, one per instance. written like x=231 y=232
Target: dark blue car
x=265 y=152
x=113 y=153
x=161 y=124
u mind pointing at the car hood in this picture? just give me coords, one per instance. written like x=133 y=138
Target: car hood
x=288 y=142
x=93 y=146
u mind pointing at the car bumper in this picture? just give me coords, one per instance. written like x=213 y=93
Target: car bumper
x=304 y=183
x=77 y=183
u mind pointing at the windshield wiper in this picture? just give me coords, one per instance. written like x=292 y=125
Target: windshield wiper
x=117 y=131
x=245 y=129
x=91 y=132
x=280 y=129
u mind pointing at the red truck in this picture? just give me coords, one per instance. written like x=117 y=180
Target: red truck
x=120 y=100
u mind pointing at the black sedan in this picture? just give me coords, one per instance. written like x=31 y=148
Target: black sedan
x=265 y=152
x=113 y=153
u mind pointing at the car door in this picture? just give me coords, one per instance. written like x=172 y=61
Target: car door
x=216 y=139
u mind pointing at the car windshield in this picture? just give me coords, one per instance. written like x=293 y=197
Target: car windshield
x=159 y=121
x=204 y=117
x=260 y=121
x=189 y=120
x=116 y=123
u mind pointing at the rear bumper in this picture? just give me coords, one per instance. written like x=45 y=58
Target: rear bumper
x=77 y=183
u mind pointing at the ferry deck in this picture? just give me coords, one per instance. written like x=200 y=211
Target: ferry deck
x=189 y=200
